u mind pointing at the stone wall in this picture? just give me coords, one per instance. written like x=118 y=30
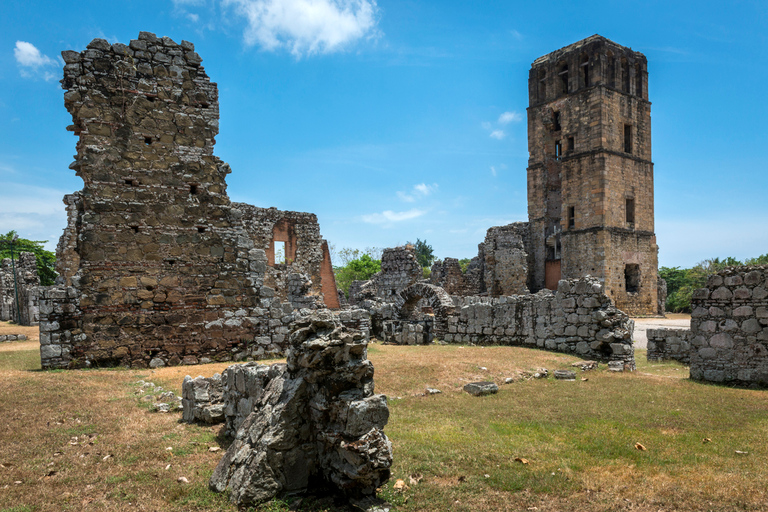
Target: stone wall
x=669 y=344
x=729 y=323
x=24 y=287
x=447 y=275
x=399 y=269
x=505 y=258
x=166 y=269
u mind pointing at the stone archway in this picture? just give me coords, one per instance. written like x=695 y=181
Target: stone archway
x=408 y=298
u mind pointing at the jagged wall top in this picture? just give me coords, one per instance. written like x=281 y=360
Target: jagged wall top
x=146 y=105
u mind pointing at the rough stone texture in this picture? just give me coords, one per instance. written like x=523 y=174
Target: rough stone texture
x=590 y=175
x=505 y=258
x=729 y=323
x=447 y=275
x=669 y=344
x=164 y=266
x=12 y=337
x=25 y=287
x=316 y=422
x=399 y=269
x=481 y=388
x=202 y=399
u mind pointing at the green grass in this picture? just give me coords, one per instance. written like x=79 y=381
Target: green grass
x=20 y=360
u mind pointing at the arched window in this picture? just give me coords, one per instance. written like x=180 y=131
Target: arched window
x=584 y=71
x=639 y=80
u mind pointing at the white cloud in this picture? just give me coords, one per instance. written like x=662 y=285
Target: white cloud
x=306 y=27
x=419 y=191
x=32 y=63
x=493 y=170
x=498 y=134
x=388 y=216
x=509 y=117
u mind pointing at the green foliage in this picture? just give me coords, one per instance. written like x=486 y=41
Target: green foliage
x=424 y=253
x=464 y=264
x=681 y=283
x=360 y=268
x=45 y=259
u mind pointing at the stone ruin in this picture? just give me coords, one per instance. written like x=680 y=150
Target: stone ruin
x=728 y=339
x=157 y=266
x=24 y=286
x=311 y=422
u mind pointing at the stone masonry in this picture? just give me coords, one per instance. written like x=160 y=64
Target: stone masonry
x=590 y=174
x=313 y=422
x=25 y=285
x=729 y=323
x=669 y=344
x=399 y=269
x=156 y=265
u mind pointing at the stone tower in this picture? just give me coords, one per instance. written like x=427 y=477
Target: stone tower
x=590 y=175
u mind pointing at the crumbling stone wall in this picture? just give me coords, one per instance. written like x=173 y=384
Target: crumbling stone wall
x=447 y=275
x=313 y=421
x=166 y=269
x=505 y=259
x=729 y=323
x=399 y=269
x=25 y=287
x=669 y=344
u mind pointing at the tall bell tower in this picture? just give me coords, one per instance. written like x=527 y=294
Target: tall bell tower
x=590 y=174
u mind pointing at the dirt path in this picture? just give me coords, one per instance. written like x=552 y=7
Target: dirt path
x=673 y=321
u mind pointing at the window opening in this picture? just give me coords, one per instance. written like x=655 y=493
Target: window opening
x=135 y=229
x=625 y=75
x=563 y=74
x=628 y=138
x=193 y=190
x=558 y=149
x=147 y=140
x=557 y=121
x=610 y=70
x=542 y=92
x=279 y=253
x=585 y=70
x=630 y=209
x=632 y=277
x=201 y=229
x=639 y=81
x=571 y=216
x=571 y=144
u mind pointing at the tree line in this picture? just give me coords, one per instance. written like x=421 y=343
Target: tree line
x=681 y=282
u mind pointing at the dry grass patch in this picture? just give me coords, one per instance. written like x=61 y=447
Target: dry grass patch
x=32 y=332
x=84 y=440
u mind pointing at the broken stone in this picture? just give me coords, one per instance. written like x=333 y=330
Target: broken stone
x=565 y=375
x=481 y=388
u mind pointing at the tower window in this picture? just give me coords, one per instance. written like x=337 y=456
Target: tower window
x=585 y=70
x=625 y=75
x=556 y=119
x=558 y=150
x=630 y=210
x=632 y=277
x=571 y=144
x=628 y=138
x=563 y=74
x=571 y=216
x=639 y=81
x=542 y=92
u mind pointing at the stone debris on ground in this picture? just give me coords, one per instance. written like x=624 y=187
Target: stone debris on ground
x=481 y=388
x=13 y=337
x=317 y=422
x=565 y=375
x=585 y=366
x=433 y=391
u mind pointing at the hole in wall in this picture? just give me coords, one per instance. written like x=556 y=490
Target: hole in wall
x=135 y=229
x=147 y=140
x=279 y=253
x=632 y=277
x=193 y=190
x=201 y=229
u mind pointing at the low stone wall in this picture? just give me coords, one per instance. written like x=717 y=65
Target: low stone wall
x=202 y=399
x=578 y=319
x=12 y=337
x=24 y=285
x=61 y=329
x=669 y=344
x=729 y=322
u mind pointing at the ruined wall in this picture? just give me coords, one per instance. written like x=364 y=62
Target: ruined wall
x=669 y=344
x=578 y=319
x=25 y=287
x=505 y=254
x=729 y=323
x=166 y=269
x=447 y=275
x=399 y=269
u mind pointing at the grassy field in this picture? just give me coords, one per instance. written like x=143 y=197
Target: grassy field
x=85 y=439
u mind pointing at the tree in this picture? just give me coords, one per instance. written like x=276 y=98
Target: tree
x=45 y=259
x=360 y=268
x=424 y=253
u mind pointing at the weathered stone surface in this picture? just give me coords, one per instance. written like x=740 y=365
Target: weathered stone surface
x=202 y=399
x=164 y=268
x=481 y=388
x=24 y=285
x=315 y=419
x=565 y=375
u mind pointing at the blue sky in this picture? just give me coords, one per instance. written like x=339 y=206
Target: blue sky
x=405 y=119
